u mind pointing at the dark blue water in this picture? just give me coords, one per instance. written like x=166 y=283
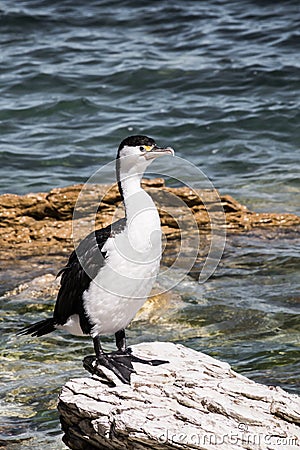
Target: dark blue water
x=220 y=82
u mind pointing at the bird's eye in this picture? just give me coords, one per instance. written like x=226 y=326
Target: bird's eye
x=142 y=149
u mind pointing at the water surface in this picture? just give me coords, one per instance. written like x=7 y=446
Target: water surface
x=220 y=82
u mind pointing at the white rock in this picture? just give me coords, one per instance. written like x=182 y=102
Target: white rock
x=193 y=402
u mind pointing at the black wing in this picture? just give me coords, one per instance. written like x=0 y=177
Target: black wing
x=83 y=265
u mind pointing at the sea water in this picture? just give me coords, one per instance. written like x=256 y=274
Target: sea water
x=218 y=81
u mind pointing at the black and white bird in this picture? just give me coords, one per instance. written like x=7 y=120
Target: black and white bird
x=111 y=273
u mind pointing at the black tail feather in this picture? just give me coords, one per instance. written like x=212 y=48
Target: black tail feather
x=39 y=328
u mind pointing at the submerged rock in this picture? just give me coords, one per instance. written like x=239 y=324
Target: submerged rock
x=194 y=401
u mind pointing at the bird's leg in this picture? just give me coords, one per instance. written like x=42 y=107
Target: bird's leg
x=117 y=362
x=97 y=347
x=124 y=351
x=121 y=342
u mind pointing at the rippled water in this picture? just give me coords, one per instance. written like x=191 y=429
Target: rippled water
x=220 y=82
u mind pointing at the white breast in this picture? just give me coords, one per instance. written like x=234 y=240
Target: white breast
x=124 y=283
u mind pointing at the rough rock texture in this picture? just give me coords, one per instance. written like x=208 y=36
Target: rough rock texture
x=36 y=224
x=194 y=402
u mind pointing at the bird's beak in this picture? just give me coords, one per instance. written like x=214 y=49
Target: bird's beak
x=155 y=152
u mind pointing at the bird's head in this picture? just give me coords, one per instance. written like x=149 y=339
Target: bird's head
x=135 y=153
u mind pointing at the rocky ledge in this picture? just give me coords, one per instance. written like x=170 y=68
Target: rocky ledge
x=192 y=402
x=40 y=223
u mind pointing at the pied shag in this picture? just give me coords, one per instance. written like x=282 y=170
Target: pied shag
x=112 y=271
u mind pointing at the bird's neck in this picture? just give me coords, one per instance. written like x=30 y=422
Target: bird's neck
x=135 y=198
x=130 y=185
x=143 y=223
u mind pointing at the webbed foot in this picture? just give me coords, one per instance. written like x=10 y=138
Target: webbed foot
x=119 y=362
x=120 y=365
x=150 y=362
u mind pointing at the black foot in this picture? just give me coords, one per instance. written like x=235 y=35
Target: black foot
x=150 y=362
x=119 y=362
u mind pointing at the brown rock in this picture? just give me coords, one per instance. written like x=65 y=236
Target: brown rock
x=35 y=224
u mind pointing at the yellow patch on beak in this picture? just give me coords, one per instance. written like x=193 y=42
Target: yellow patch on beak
x=148 y=148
